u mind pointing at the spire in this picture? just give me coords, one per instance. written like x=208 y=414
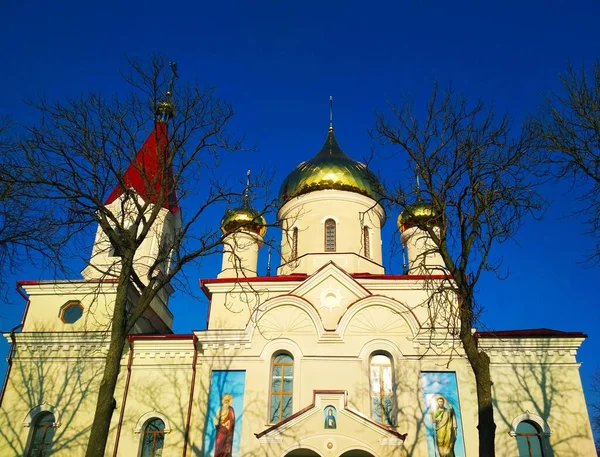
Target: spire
x=165 y=110
x=148 y=174
x=331 y=113
x=247 y=191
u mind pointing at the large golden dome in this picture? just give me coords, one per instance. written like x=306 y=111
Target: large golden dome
x=331 y=168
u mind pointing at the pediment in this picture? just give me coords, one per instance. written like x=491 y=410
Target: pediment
x=331 y=290
x=329 y=415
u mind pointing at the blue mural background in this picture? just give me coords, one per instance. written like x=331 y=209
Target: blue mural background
x=434 y=384
x=225 y=382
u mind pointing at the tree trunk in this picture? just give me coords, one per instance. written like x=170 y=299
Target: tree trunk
x=105 y=404
x=485 y=408
x=480 y=364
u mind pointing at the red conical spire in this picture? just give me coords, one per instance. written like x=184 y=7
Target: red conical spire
x=147 y=174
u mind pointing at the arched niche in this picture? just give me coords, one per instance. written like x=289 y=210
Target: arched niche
x=302 y=453
x=356 y=453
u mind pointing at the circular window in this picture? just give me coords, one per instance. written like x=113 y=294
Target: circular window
x=71 y=312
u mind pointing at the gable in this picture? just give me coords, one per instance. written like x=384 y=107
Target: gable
x=331 y=291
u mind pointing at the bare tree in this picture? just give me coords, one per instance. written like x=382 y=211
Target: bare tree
x=82 y=149
x=473 y=172
x=28 y=228
x=568 y=130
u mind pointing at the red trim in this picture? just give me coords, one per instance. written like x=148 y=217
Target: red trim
x=295 y=277
x=390 y=277
x=402 y=436
x=181 y=336
x=151 y=160
x=37 y=282
x=190 y=402
x=530 y=333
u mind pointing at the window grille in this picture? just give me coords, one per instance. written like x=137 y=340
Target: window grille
x=153 y=439
x=382 y=390
x=42 y=435
x=330 y=235
x=282 y=380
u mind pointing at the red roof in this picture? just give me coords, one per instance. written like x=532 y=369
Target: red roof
x=531 y=333
x=146 y=174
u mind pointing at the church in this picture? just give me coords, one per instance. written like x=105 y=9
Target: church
x=330 y=356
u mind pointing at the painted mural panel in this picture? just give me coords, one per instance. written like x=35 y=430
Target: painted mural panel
x=225 y=402
x=442 y=414
x=330 y=417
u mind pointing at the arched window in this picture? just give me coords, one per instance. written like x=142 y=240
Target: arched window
x=295 y=243
x=529 y=439
x=367 y=242
x=382 y=389
x=329 y=235
x=41 y=435
x=153 y=438
x=282 y=379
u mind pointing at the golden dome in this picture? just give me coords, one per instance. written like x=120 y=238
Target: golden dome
x=419 y=213
x=331 y=168
x=244 y=219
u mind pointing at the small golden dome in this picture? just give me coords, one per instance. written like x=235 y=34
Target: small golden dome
x=244 y=219
x=419 y=213
x=331 y=168
x=165 y=110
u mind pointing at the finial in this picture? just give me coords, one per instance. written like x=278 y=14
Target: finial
x=331 y=112
x=174 y=76
x=166 y=108
x=418 y=183
x=247 y=190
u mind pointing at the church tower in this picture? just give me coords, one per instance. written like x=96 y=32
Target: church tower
x=149 y=176
x=244 y=229
x=423 y=255
x=330 y=211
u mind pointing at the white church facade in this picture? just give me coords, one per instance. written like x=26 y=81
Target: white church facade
x=329 y=357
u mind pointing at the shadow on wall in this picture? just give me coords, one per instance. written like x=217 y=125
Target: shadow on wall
x=49 y=397
x=545 y=395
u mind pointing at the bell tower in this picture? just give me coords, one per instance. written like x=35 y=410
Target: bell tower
x=147 y=181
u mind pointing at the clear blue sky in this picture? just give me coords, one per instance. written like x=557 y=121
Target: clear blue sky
x=278 y=61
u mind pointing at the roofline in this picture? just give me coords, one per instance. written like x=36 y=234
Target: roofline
x=402 y=436
x=402 y=277
x=205 y=282
x=530 y=333
x=174 y=336
x=37 y=282
x=303 y=276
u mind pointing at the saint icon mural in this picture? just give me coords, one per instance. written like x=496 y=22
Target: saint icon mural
x=224 y=426
x=225 y=403
x=444 y=433
x=330 y=417
x=444 y=418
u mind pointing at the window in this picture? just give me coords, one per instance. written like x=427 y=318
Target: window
x=282 y=378
x=295 y=243
x=329 y=235
x=71 y=312
x=529 y=440
x=41 y=435
x=382 y=390
x=153 y=438
x=367 y=242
